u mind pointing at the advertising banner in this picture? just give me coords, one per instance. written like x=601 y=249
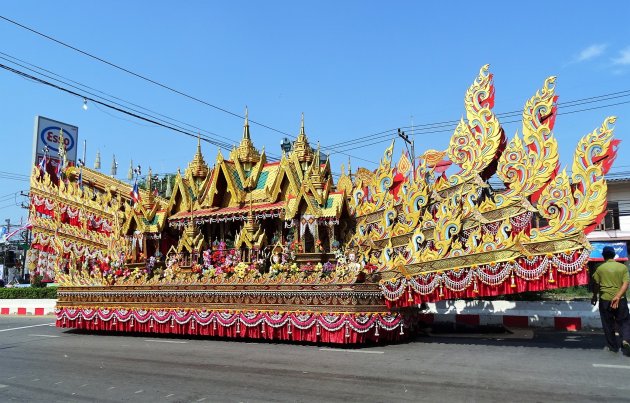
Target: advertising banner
x=621 y=250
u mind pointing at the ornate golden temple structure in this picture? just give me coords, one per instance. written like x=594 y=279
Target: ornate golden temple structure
x=277 y=250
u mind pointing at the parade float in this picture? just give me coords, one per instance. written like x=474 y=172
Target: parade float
x=254 y=249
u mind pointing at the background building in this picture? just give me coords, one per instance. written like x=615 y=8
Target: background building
x=614 y=229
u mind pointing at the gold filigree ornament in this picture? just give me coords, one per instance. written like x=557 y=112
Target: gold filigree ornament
x=526 y=166
x=476 y=142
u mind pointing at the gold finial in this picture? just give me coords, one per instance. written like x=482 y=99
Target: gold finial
x=198 y=167
x=246 y=125
x=301 y=148
x=245 y=152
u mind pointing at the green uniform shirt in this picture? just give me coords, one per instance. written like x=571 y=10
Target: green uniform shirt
x=610 y=276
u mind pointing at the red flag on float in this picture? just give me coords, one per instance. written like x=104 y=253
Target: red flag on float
x=135 y=193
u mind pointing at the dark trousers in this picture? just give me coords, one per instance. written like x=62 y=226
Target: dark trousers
x=611 y=317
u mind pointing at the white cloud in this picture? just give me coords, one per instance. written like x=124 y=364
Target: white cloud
x=624 y=57
x=591 y=52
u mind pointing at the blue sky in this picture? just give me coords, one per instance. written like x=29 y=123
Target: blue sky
x=354 y=68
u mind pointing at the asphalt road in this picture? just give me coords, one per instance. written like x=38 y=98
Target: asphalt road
x=39 y=362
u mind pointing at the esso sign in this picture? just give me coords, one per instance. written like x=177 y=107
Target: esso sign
x=46 y=136
x=50 y=136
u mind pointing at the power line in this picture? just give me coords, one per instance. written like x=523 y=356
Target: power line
x=331 y=147
x=418 y=129
x=13 y=59
x=216 y=142
x=376 y=139
x=147 y=79
x=112 y=107
x=140 y=76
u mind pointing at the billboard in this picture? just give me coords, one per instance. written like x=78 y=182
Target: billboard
x=47 y=132
x=621 y=250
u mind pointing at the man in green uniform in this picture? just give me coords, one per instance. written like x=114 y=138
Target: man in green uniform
x=611 y=282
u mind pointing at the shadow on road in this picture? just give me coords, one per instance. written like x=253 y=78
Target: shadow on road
x=443 y=334
x=513 y=337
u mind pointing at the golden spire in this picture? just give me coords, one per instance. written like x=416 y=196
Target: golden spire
x=246 y=125
x=198 y=167
x=301 y=148
x=246 y=153
x=317 y=173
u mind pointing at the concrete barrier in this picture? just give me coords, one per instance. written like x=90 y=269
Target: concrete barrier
x=561 y=315
x=27 y=306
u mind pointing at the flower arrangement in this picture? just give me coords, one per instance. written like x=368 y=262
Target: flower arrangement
x=170 y=272
x=150 y=265
x=241 y=269
x=207 y=258
x=276 y=268
x=196 y=268
x=328 y=268
x=209 y=272
x=308 y=267
x=318 y=246
x=296 y=247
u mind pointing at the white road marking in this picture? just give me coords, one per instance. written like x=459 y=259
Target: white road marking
x=3 y=386
x=138 y=391
x=58 y=383
x=35 y=380
x=13 y=377
x=168 y=341
x=611 y=366
x=84 y=385
x=172 y=394
x=26 y=327
x=43 y=335
x=202 y=399
x=111 y=387
x=352 y=351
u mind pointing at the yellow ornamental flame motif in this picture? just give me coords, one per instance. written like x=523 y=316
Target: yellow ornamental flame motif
x=527 y=166
x=476 y=142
